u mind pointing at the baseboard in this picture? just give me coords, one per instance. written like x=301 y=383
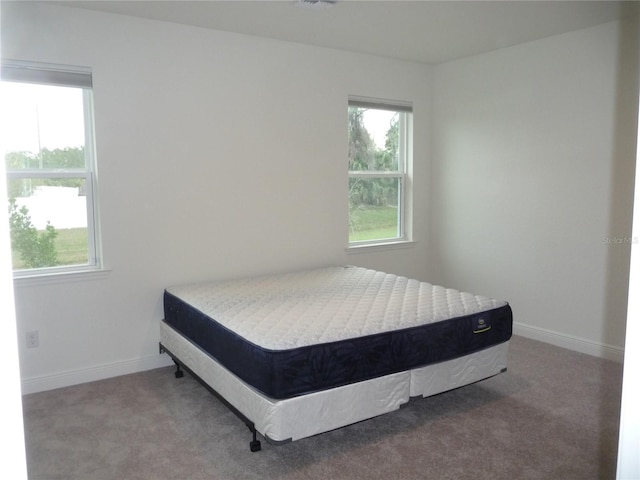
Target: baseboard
x=570 y=342
x=100 y=372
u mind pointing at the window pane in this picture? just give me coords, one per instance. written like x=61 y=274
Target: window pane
x=373 y=140
x=42 y=125
x=48 y=222
x=374 y=211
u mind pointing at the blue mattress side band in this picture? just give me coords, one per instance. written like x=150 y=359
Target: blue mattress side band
x=281 y=374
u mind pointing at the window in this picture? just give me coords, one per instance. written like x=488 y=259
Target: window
x=378 y=162
x=47 y=141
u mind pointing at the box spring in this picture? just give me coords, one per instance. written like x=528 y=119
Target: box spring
x=299 y=417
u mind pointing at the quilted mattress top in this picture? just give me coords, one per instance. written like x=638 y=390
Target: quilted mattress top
x=293 y=310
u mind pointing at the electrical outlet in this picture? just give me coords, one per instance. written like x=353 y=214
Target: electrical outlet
x=33 y=339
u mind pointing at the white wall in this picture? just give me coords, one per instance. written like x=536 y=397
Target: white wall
x=532 y=187
x=219 y=155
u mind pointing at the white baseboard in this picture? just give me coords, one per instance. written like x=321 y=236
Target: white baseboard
x=91 y=374
x=570 y=342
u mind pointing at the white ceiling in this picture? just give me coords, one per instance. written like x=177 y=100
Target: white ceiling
x=419 y=30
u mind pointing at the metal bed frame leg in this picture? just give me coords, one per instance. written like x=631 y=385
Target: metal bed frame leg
x=178 y=373
x=254 y=444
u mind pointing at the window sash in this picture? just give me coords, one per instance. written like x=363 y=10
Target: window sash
x=401 y=225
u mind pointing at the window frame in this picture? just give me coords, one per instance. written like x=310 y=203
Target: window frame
x=63 y=76
x=405 y=134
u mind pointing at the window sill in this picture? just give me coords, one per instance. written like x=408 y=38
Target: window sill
x=60 y=277
x=380 y=247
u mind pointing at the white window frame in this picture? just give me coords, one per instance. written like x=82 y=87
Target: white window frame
x=405 y=132
x=64 y=76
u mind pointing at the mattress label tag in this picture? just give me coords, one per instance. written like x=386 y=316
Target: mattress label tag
x=480 y=325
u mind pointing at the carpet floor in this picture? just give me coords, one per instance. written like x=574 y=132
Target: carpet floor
x=553 y=415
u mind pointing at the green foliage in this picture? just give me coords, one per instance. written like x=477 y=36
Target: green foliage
x=37 y=249
x=58 y=158
x=64 y=158
x=364 y=155
x=362 y=149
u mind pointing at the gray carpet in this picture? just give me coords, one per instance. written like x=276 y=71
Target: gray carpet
x=552 y=415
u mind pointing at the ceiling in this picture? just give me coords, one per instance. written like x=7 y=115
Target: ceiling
x=419 y=30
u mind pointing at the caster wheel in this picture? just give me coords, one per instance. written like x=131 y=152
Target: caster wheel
x=179 y=374
x=255 y=446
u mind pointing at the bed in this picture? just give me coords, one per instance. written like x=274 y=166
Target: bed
x=302 y=353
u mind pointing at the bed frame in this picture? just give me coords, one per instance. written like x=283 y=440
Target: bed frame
x=255 y=444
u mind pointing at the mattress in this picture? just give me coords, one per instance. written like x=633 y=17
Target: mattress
x=297 y=333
